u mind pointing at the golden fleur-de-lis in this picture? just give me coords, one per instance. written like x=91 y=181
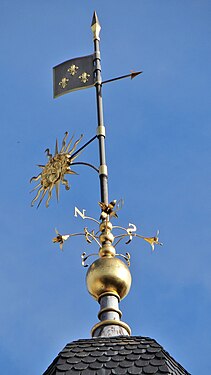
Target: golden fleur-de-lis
x=73 y=69
x=84 y=77
x=63 y=82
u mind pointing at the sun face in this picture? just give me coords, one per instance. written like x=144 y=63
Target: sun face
x=53 y=173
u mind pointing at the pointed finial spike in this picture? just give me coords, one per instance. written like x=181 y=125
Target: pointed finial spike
x=95 y=19
x=96 y=26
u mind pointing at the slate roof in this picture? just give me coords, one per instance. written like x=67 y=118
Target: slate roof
x=113 y=356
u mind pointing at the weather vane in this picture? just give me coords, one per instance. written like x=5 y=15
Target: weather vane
x=108 y=276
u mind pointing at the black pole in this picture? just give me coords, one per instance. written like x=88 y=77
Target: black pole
x=103 y=174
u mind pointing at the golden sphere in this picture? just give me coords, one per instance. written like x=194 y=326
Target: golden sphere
x=108 y=275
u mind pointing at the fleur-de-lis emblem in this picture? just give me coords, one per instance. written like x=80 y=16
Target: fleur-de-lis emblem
x=63 y=82
x=73 y=69
x=84 y=77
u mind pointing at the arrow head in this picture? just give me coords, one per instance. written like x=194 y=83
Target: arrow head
x=134 y=74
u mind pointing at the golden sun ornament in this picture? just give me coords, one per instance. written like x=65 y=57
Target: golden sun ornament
x=54 y=171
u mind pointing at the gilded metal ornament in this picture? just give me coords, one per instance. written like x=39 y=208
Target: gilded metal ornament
x=60 y=239
x=73 y=69
x=63 y=82
x=54 y=171
x=84 y=77
x=108 y=209
x=104 y=238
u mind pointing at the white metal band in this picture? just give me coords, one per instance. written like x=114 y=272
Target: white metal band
x=103 y=170
x=101 y=130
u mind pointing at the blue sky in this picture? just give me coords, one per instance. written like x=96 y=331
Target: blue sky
x=158 y=155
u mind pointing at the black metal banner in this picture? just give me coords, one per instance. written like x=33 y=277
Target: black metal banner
x=74 y=74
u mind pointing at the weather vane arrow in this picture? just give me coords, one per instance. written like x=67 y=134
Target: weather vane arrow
x=131 y=75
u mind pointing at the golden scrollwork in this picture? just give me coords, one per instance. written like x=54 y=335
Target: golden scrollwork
x=104 y=237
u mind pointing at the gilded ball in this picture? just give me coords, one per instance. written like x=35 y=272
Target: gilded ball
x=108 y=275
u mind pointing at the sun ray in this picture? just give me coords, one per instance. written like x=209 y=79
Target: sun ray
x=49 y=196
x=56 y=147
x=48 y=153
x=43 y=194
x=74 y=157
x=36 y=187
x=64 y=142
x=35 y=178
x=75 y=144
x=69 y=144
x=37 y=196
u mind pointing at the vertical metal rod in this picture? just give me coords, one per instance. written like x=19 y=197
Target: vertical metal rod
x=103 y=175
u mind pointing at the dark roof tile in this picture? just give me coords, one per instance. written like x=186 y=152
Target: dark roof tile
x=90 y=349
x=139 y=351
x=64 y=367
x=141 y=363
x=153 y=350
x=125 y=351
x=104 y=358
x=159 y=355
x=147 y=356
x=163 y=369
x=69 y=372
x=157 y=362
x=111 y=353
x=88 y=359
x=150 y=369
x=118 y=358
x=126 y=363
x=73 y=360
x=103 y=371
x=81 y=366
x=142 y=346
x=133 y=357
x=119 y=371
x=82 y=354
x=67 y=354
x=111 y=364
x=97 y=353
x=104 y=348
x=77 y=349
x=131 y=347
x=85 y=372
x=118 y=347
x=96 y=365
x=135 y=370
